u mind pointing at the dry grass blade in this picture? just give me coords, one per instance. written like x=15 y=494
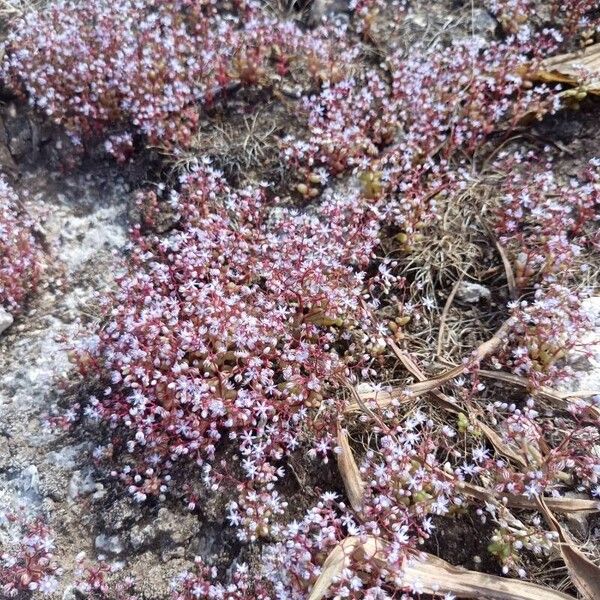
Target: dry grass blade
x=575 y=68
x=510 y=276
x=360 y=406
x=337 y=560
x=349 y=471
x=423 y=386
x=438 y=577
x=584 y=573
x=384 y=399
x=449 y=404
x=428 y=385
x=434 y=575
x=553 y=396
x=498 y=443
x=444 y=316
x=411 y=366
x=483 y=350
x=561 y=505
x=10 y=8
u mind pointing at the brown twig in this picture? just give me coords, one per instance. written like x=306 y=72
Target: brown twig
x=444 y=316
x=428 y=385
x=510 y=276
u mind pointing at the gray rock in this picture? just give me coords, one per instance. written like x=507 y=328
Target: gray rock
x=5 y=453
x=471 y=293
x=178 y=528
x=18 y=133
x=6 y=320
x=586 y=364
x=577 y=522
x=85 y=226
x=110 y=544
x=208 y=543
x=483 y=22
x=70 y=593
x=141 y=536
x=100 y=491
x=29 y=480
x=69 y=457
x=122 y=511
x=80 y=485
x=172 y=553
x=328 y=8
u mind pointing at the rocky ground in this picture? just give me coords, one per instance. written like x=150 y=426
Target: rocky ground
x=84 y=220
x=83 y=225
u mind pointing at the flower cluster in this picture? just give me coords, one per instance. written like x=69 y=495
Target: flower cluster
x=293 y=565
x=20 y=252
x=234 y=336
x=439 y=102
x=93 y=579
x=375 y=20
x=512 y=539
x=457 y=98
x=404 y=486
x=546 y=329
x=253 y=513
x=27 y=560
x=148 y=67
x=236 y=324
x=545 y=223
x=204 y=584
x=401 y=138
x=348 y=122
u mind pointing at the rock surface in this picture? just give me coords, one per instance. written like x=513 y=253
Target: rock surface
x=328 y=8
x=52 y=473
x=471 y=293
x=84 y=223
x=6 y=320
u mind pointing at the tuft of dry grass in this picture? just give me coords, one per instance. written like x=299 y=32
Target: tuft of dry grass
x=16 y=8
x=243 y=146
x=457 y=244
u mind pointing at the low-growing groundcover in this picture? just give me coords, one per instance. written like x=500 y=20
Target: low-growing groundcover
x=20 y=251
x=303 y=322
